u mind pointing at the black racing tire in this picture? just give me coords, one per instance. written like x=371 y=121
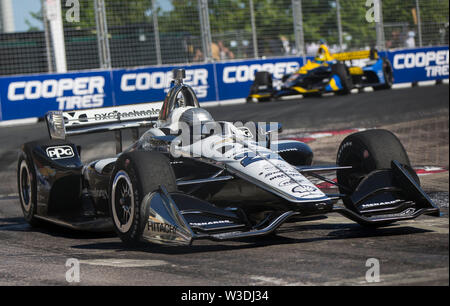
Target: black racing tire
x=135 y=175
x=343 y=73
x=27 y=187
x=388 y=73
x=368 y=151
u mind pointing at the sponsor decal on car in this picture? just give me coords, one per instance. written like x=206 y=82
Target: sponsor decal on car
x=210 y=223
x=161 y=227
x=287 y=183
x=126 y=115
x=302 y=189
x=111 y=114
x=371 y=205
x=60 y=152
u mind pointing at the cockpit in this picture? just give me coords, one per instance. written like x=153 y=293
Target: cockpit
x=181 y=115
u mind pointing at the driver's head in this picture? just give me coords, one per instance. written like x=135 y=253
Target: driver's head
x=323 y=54
x=192 y=121
x=195 y=115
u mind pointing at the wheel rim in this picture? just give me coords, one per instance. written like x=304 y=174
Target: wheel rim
x=122 y=201
x=25 y=186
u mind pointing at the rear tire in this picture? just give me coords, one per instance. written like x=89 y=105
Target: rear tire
x=342 y=72
x=136 y=174
x=368 y=151
x=26 y=183
x=388 y=73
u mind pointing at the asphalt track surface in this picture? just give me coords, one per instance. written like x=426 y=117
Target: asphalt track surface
x=331 y=251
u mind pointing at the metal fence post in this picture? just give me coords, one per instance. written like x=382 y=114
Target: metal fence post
x=48 y=44
x=54 y=16
x=102 y=34
x=156 y=32
x=254 y=34
x=298 y=28
x=419 y=23
x=339 y=23
x=379 y=26
x=6 y=17
x=205 y=29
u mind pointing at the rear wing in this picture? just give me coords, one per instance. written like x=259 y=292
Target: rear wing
x=356 y=55
x=62 y=124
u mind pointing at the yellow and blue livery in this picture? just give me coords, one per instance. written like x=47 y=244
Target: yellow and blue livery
x=328 y=73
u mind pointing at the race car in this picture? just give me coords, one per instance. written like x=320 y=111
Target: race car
x=327 y=73
x=190 y=177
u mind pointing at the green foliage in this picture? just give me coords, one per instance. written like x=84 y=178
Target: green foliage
x=273 y=17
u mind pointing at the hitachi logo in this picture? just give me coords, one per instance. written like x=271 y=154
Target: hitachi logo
x=161 y=227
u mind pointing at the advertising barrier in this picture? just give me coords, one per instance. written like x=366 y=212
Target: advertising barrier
x=423 y=64
x=151 y=84
x=34 y=95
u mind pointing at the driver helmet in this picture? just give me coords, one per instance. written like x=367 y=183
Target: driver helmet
x=196 y=118
x=195 y=115
x=323 y=54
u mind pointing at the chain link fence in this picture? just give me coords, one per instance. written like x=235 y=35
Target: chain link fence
x=118 y=34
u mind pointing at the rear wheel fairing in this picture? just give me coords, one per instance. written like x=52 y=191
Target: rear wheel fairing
x=51 y=194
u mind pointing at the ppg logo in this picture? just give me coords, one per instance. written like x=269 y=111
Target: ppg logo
x=60 y=152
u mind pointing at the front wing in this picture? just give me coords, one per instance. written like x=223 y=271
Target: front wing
x=383 y=197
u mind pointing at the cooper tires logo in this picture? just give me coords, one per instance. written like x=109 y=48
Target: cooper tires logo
x=60 y=152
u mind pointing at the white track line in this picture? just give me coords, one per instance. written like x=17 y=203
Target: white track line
x=124 y=263
x=402 y=278
x=19 y=122
x=10 y=195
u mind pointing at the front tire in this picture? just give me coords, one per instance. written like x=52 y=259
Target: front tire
x=136 y=174
x=368 y=151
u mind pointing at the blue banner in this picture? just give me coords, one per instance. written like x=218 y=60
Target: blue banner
x=151 y=84
x=34 y=95
x=235 y=78
x=423 y=64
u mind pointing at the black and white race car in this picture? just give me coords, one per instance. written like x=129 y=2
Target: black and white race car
x=213 y=180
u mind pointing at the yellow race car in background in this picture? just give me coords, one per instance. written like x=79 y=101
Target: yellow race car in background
x=327 y=73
